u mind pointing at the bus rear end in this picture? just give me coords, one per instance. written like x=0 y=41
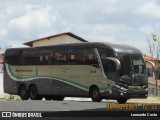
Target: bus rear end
x=10 y=85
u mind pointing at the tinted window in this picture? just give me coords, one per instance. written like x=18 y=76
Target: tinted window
x=75 y=56
x=89 y=57
x=12 y=57
x=131 y=63
x=22 y=57
x=45 y=57
x=60 y=57
x=30 y=57
x=104 y=52
x=126 y=64
x=137 y=60
x=35 y=57
x=109 y=68
x=138 y=63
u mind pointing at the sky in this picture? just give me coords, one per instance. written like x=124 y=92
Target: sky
x=117 y=21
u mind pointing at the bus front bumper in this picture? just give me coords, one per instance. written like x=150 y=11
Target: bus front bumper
x=121 y=92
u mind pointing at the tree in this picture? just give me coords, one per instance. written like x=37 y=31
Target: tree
x=154 y=50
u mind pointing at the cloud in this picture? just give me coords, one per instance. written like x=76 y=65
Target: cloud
x=116 y=21
x=3 y=33
x=34 y=19
x=150 y=10
x=147 y=29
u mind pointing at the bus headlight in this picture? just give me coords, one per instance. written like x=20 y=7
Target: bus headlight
x=122 y=88
x=146 y=89
x=121 y=94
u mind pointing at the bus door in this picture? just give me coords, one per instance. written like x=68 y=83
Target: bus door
x=110 y=68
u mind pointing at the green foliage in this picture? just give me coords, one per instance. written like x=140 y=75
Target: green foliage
x=154 y=37
x=11 y=97
x=145 y=55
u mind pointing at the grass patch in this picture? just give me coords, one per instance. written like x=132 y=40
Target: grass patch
x=149 y=99
x=10 y=97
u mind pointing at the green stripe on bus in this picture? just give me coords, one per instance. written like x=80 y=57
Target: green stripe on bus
x=52 y=77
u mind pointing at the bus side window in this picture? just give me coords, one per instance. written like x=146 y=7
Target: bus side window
x=61 y=57
x=22 y=57
x=13 y=57
x=41 y=58
x=45 y=57
x=89 y=57
x=74 y=56
x=30 y=57
x=104 y=52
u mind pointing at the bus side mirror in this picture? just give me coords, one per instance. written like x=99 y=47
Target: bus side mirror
x=116 y=61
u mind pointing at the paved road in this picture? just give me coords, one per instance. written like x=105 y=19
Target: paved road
x=48 y=105
x=66 y=105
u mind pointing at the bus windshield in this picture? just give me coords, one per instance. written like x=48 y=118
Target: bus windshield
x=131 y=63
x=138 y=64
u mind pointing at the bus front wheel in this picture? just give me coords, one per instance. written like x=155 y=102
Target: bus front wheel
x=23 y=93
x=33 y=94
x=95 y=94
x=122 y=100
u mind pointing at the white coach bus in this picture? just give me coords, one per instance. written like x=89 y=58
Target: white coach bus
x=96 y=70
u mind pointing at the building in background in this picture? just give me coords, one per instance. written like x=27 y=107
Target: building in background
x=151 y=78
x=1 y=74
x=62 y=38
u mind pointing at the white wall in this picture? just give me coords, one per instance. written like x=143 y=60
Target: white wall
x=56 y=40
x=1 y=67
x=69 y=39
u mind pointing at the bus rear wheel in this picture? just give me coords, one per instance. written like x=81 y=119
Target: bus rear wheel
x=122 y=100
x=23 y=93
x=95 y=94
x=33 y=94
x=48 y=97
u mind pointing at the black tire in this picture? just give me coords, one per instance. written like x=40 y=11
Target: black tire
x=33 y=94
x=23 y=93
x=95 y=94
x=48 y=97
x=122 y=100
x=58 y=98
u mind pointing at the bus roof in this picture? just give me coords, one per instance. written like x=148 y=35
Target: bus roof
x=122 y=48
x=118 y=48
